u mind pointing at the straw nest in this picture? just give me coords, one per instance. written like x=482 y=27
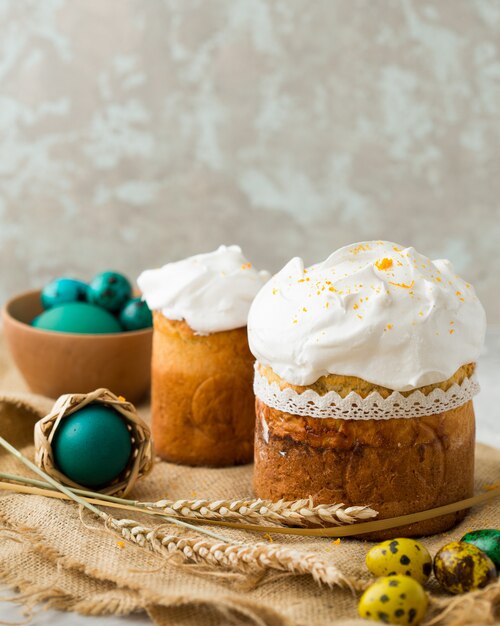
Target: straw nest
x=141 y=459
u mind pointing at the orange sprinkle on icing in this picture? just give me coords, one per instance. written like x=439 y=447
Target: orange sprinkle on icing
x=458 y=293
x=360 y=248
x=121 y=398
x=246 y=266
x=389 y=326
x=403 y=285
x=451 y=331
x=383 y=264
x=120 y=544
x=355 y=306
x=336 y=542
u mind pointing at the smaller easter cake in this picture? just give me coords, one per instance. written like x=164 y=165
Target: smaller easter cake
x=202 y=401
x=364 y=383
x=104 y=306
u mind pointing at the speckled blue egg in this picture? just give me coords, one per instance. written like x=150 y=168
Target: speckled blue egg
x=110 y=290
x=63 y=290
x=136 y=315
x=92 y=446
x=77 y=317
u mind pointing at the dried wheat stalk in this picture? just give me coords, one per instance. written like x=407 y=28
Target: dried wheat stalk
x=235 y=556
x=297 y=513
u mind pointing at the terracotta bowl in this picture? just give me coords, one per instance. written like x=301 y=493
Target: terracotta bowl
x=54 y=363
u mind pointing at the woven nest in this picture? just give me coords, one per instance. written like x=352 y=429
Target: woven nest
x=141 y=459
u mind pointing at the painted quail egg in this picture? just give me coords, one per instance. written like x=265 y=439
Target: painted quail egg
x=109 y=290
x=136 y=315
x=487 y=540
x=394 y=600
x=460 y=567
x=400 y=556
x=63 y=290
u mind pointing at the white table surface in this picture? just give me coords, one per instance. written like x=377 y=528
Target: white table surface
x=487 y=406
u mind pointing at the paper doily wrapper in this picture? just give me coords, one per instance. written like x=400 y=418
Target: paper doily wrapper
x=354 y=407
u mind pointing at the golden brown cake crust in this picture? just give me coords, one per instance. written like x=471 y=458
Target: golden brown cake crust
x=396 y=466
x=343 y=385
x=202 y=398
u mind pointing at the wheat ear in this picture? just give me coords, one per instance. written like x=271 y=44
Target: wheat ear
x=299 y=513
x=295 y=513
x=236 y=556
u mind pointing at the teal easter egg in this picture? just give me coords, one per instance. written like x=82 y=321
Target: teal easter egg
x=136 y=315
x=487 y=540
x=77 y=317
x=62 y=290
x=110 y=290
x=92 y=446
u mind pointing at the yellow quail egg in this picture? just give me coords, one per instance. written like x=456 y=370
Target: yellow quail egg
x=395 y=599
x=461 y=567
x=400 y=556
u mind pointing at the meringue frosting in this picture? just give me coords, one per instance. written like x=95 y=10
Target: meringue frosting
x=374 y=310
x=212 y=292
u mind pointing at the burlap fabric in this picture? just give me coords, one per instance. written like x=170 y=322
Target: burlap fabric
x=55 y=557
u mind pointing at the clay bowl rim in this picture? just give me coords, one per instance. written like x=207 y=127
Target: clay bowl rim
x=7 y=315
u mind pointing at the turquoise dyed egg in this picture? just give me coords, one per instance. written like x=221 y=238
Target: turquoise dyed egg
x=400 y=556
x=394 y=600
x=92 y=446
x=77 y=317
x=487 y=540
x=63 y=290
x=110 y=290
x=136 y=315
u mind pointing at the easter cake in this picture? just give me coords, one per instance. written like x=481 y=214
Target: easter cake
x=364 y=382
x=202 y=401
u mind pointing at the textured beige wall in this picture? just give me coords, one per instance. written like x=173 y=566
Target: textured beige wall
x=133 y=132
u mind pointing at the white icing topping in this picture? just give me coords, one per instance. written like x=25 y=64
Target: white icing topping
x=374 y=310
x=212 y=292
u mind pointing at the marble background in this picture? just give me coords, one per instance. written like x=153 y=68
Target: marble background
x=134 y=132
